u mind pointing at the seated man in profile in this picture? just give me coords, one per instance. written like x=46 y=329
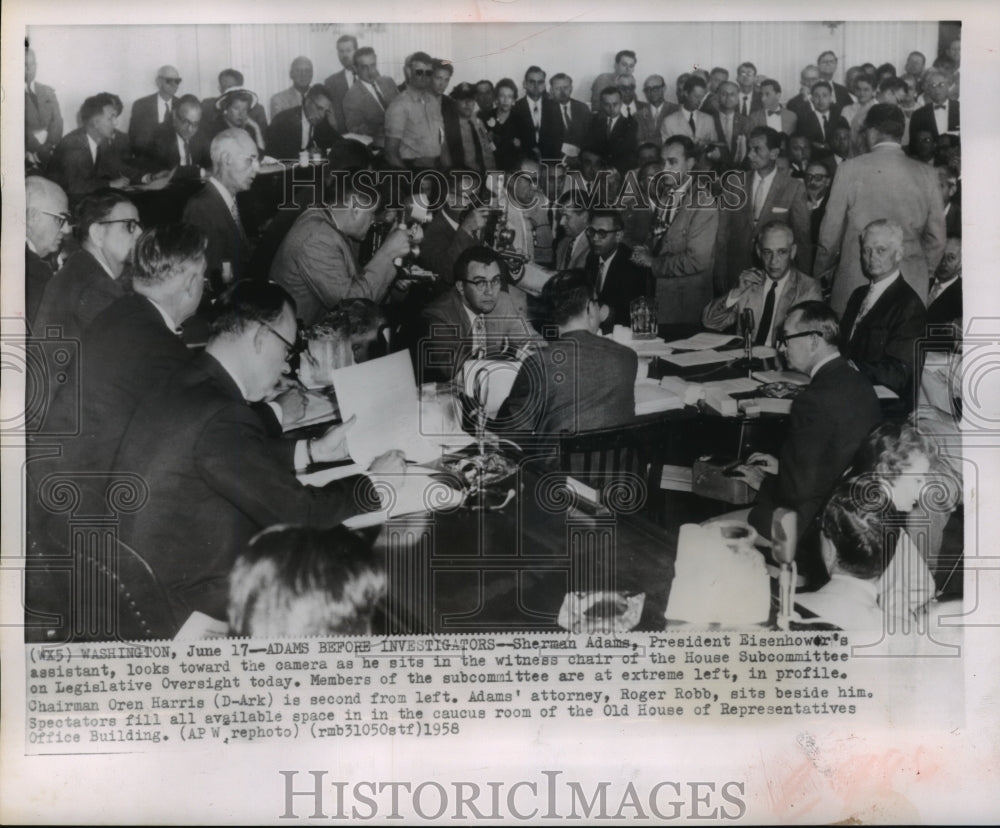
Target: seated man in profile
x=476 y=319
x=853 y=548
x=581 y=381
x=293 y=581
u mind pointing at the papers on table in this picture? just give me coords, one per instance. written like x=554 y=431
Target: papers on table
x=382 y=394
x=651 y=397
x=737 y=385
x=704 y=341
x=793 y=377
x=499 y=377
x=692 y=358
x=766 y=405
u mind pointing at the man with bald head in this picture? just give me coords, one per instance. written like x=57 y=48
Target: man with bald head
x=179 y=145
x=47 y=222
x=650 y=119
x=301 y=74
x=43 y=124
x=235 y=164
x=155 y=109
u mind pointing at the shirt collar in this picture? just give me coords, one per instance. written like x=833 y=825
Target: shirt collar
x=31 y=246
x=822 y=362
x=876 y=289
x=168 y=320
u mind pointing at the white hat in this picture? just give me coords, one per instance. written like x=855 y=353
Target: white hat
x=221 y=103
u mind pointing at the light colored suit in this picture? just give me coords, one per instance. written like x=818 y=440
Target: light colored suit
x=363 y=114
x=650 y=127
x=286 y=99
x=800 y=288
x=882 y=184
x=42 y=113
x=677 y=123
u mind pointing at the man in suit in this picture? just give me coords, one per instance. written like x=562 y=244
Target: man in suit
x=651 y=118
x=85 y=160
x=317 y=264
x=884 y=320
x=799 y=155
x=572 y=246
x=154 y=109
x=107 y=226
x=749 y=100
x=827 y=64
x=732 y=128
x=475 y=319
x=883 y=183
x=229 y=79
x=214 y=209
x=631 y=107
x=611 y=135
x=768 y=291
x=43 y=123
x=828 y=421
x=574 y=114
x=819 y=123
x=453 y=229
x=474 y=151
x=580 y=381
x=940 y=115
x=366 y=102
x=305 y=127
x=948 y=181
x=680 y=248
x=763 y=195
x=617 y=280
x=339 y=82
x=945 y=297
x=802 y=102
x=47 y=222
x=625 y=62
x=817 y=180
x=301 y=75
x=771 y=112
x=538 y=122
x=180 y=146
x=689 y=120
x=215 y=476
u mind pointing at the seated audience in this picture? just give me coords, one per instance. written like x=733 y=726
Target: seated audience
x=817 y=178
x=106 y=227
x=305 y=126
x=884 y=321
x=829 y=419
x=580 y=381
x=616 y=279
x=47 y=222
x=317 y=263
x=769 y=291
x=294 y=582
x=206 y=455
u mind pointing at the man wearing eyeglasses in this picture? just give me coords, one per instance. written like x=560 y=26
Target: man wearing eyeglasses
x=414 y=128
x=215 y=476
x=305 y=127
x=180 y=146
x=616 y=279
x=47 y=223
x=829 y=419
x=650 y=119
x=476 y=319
x=940 y=115
x=155 y=109
x=107 y=226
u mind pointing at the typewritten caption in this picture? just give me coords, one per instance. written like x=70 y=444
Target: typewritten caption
x=101 y=696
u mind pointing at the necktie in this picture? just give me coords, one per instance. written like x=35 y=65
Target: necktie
x=936 y=290
x=727 y=127
x=566 y=116
x=536 y=117
x=866 y=306
x=235 y=211
x=187 y=154
x=479 y=336
x=480 y=162
x=379 y=96
x=764 y=326
x=824 y=127
x=610 y=122
x=691 y=124
x=758 y=199
x=746 y=105
x=603 y=275
x=166 y=112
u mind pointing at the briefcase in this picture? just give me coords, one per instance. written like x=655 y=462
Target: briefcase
x=711 y=477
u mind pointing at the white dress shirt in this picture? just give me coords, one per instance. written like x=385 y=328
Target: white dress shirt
x=759 y=189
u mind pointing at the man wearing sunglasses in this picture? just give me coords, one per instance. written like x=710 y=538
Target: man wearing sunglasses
x=155 y=109
x=107 y=226
x=414 y=128
x=829 y=419
x=47 y=223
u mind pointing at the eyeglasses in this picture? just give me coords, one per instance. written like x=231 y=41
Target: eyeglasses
x=484 y=284
x=782 y=339
x=172 y=81
x=62 y=218
x=422 y=73
x=291 y=348
x=652 y=88
x=595 y=233
x=131 y=225
x=816 y=177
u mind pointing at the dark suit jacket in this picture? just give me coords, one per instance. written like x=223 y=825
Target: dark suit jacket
x=337 y=84
x=363 y=114
x=207 y=210
x=284 y=134
x=617 y=150
x=577 y=383
x=77 y=294
x=948 y=306
x=650 y=127
x=452 y=130
x=953 y=219
x=215 y=479
x=741 y=126
x=828 y=422
x=625 y=281
x=144 y=121
x=923 y=121
x=789 y=119
x=37 y=274
x=72 y=166
x=579 y=120
x=209 y=112
x=755 y=102
x=841 y=96
x=164 y=153
x=42 y=113
x=884 y=344
x=441 y=247
x=550 y=134
x=809 y=125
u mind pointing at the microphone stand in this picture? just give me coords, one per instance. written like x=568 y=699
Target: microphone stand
x=784 y=537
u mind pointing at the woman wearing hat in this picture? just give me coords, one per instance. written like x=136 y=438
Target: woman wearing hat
x=234 y=107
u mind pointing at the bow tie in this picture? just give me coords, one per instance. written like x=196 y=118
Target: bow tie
x=775 y=111
x=940 y=106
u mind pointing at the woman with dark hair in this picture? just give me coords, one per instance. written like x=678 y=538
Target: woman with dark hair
x=506 y=150
x=233 y=108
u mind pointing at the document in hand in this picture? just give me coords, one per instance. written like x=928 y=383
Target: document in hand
x=382 y=393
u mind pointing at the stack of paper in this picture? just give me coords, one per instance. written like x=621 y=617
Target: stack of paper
x=703 y=341
x=692 y=358
x=651 y=397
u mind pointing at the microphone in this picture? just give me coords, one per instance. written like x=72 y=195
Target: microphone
x=746 y=321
